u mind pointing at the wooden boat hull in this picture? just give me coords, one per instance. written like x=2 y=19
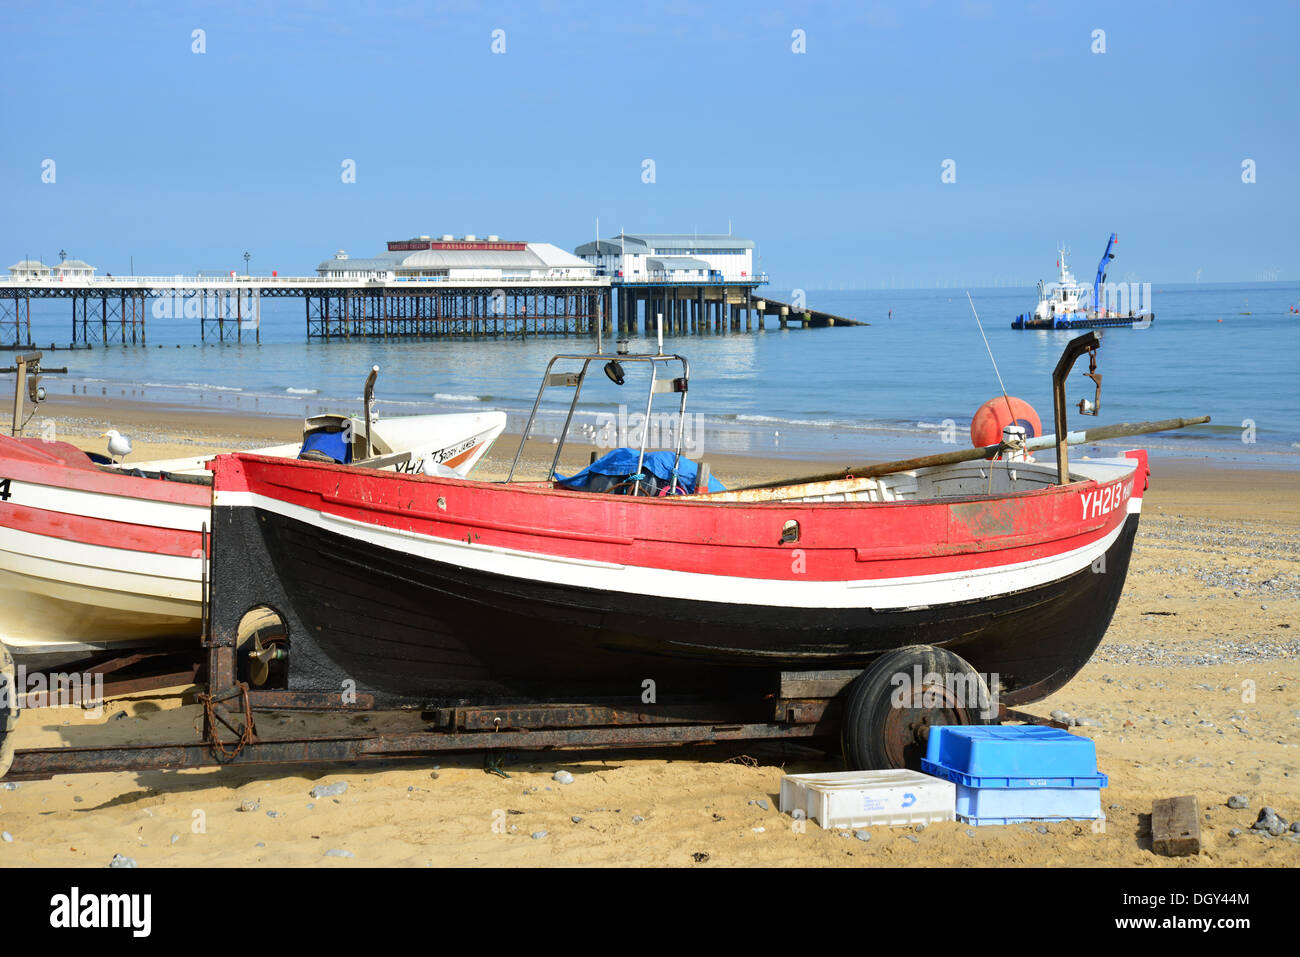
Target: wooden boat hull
x=420 y=590
x=92 y=559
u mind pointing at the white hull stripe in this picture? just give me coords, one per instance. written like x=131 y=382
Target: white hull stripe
x=116 y=508
x=912 y=592
x=21 y=551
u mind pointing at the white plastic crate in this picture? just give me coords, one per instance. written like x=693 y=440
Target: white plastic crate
x=893 y=798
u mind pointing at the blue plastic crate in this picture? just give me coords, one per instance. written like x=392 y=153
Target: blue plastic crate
x=1010 y=774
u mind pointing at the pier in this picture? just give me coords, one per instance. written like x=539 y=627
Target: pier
x=113 y=310
x=110 y=310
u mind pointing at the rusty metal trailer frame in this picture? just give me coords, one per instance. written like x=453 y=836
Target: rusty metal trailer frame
x=230 y=734
x=230 y=731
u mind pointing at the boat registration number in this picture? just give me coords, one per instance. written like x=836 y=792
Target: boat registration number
x=1102 y=501
x=4 y=490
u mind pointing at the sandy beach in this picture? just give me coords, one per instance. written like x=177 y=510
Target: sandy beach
x=1195 y=690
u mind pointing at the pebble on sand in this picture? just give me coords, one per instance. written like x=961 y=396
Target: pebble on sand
x=538 y=835
x=121 y=860
x=1238 y=801
x=336 y=852
x=862 y=835
x=562 y=777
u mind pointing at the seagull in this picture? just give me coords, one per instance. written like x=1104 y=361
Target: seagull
x=118 y=444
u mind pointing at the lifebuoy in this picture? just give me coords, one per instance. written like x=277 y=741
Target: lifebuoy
x=991 y=417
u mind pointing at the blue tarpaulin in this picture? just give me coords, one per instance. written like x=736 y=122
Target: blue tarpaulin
x=333 y=443
x=622 y=462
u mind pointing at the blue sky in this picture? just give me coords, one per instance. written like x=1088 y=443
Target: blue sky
x=830 y=160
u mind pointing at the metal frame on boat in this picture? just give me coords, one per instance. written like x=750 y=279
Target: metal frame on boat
x=614 y=371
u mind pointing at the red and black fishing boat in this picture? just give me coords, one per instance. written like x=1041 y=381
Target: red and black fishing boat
x=427 y=591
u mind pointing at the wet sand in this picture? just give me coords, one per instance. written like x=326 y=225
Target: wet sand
x=1195 y=690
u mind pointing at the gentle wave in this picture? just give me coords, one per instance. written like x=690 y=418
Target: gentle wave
x=204 y=386
x=777 y=420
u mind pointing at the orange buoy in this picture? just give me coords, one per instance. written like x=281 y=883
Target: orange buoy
x=990 y=418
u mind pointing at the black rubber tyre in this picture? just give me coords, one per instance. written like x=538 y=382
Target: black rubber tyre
x=887 y=715
x=8 y=709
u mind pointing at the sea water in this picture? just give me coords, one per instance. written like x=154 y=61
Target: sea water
x=907 y=384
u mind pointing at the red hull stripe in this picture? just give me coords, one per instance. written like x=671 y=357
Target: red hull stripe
x=99 y=531
x=838 y=542
x=27 y=462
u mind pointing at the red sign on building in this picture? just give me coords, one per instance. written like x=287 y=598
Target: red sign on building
x=405 y=245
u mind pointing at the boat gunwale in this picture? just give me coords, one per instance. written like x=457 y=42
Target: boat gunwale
x=540 y=487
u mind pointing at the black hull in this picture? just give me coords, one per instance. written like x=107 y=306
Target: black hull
x=410 y=631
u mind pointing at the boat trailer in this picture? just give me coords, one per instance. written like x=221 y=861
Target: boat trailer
x=231 y=710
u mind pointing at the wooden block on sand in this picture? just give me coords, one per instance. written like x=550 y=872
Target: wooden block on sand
x=1176 y=827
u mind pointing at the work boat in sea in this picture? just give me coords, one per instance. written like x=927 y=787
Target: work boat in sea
x=1069 y=304
x=100 y=559
x=429 y=592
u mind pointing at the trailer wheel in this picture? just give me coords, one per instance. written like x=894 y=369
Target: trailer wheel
x=8 y=709
x=888 y=716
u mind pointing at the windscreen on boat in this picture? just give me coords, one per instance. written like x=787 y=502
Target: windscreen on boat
x=616 y=472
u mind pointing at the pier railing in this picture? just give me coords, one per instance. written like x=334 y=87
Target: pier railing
x=244 y=281
x=753 y=279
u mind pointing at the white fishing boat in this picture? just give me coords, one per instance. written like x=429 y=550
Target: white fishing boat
x=99 y=558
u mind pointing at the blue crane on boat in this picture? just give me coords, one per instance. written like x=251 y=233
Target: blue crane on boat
x=1101 y=272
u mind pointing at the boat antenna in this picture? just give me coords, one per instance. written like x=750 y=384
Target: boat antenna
x=1001 y=385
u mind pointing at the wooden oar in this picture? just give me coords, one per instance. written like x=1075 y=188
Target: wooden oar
x=1084 y=437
